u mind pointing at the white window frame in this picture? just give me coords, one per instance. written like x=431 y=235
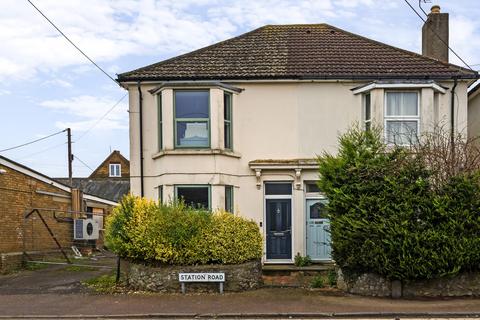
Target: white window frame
x=388 y=118
x=113 y=173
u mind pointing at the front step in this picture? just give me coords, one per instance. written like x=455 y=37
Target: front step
x=293 y=268
x=289 y=275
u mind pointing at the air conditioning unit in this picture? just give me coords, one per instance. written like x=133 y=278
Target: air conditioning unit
x=85 y=229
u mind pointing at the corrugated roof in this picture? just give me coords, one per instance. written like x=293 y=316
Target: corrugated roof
x=111 y=189
x=313 y=51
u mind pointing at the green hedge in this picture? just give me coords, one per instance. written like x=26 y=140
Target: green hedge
x=387 y=218
x=143 y=230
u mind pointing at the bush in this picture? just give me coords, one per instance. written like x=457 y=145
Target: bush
x=387 y=218
x=318 y=282
x=332 y=278
x=142 y=230
x=302 y=261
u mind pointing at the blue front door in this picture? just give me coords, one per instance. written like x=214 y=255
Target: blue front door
x=279 y=228
x=318 y=230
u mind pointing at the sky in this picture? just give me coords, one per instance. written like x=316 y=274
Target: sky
x=46 y=85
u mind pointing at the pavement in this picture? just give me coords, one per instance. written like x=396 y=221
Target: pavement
x=57 y=292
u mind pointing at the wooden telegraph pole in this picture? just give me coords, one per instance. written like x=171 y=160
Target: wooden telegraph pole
x=70 y=156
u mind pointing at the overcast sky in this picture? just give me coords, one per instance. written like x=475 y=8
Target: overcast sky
x=46 y=85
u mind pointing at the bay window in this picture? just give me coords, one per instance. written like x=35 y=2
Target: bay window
x=402 y=117
x=192 y=118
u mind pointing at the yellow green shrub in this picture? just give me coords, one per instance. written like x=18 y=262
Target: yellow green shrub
x=143 y=230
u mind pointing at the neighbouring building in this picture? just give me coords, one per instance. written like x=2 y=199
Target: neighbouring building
x=22 y=190
x=474 y=112
x=110 y=180
x=238 y=125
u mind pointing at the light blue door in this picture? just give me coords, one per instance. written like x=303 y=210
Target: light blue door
x=318 y=230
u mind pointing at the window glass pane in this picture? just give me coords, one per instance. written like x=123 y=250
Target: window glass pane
x=312 y=187
x=191 y=104
x=402 y=104
x=367 y=107
x=278 y=188
x=227 y=106
x=160 y=194
x=229 y=198
x=192 y=134
x=401 y=132
x=227 y=135
x=319 y=210
x=197 y=197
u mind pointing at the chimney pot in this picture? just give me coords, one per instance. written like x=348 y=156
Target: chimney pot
x=435 y=9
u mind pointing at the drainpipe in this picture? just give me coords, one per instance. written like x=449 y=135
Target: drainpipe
x=452 y=117
x=140 y=105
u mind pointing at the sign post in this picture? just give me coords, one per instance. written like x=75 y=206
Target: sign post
x=202 y=277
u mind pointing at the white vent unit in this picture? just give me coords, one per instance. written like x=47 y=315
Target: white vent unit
x=85 y=229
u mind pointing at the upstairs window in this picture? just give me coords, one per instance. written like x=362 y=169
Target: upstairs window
x=115 y=170
x=192 y=118
x=160 y=122
x=402 y=118
x=227 y=121
x=367 y=112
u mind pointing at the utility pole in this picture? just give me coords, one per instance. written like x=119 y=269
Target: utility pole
x=70 y=156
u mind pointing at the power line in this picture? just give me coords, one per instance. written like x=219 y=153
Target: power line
x=86 y=165
x=44 y=150
x=438 y=36
x=27 y=143
x=102 y=117
x=73 y=44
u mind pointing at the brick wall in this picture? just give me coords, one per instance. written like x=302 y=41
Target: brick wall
x=115 y=157
x=19 y=193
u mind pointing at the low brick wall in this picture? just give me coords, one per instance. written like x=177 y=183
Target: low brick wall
x=369 y=284
x=239 y=277
x=10 y=262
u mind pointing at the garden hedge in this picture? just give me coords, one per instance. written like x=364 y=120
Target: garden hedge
x=388 y=218
x=143 y=230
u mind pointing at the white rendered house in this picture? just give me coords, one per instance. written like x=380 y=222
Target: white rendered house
x=238 y=125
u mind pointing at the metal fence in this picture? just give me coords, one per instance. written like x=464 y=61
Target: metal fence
x=56 y=236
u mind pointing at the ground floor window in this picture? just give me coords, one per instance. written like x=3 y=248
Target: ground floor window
x=197 y=196
x=160 y=194
x=229 y=199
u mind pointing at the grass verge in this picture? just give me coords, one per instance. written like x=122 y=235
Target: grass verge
x=33 y=266
x=104 y=284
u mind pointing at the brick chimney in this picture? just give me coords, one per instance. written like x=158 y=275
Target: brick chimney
x=436 y=26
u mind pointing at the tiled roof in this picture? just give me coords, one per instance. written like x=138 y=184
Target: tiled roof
x=316 y=51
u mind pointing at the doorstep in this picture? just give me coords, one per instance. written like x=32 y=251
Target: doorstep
x=324 y=266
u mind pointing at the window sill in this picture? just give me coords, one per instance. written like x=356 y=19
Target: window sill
x=187 y=152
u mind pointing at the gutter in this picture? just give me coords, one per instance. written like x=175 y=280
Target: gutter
x=333 y=77
x=140 y=105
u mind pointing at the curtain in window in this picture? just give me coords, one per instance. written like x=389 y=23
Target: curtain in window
x=402 y=104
